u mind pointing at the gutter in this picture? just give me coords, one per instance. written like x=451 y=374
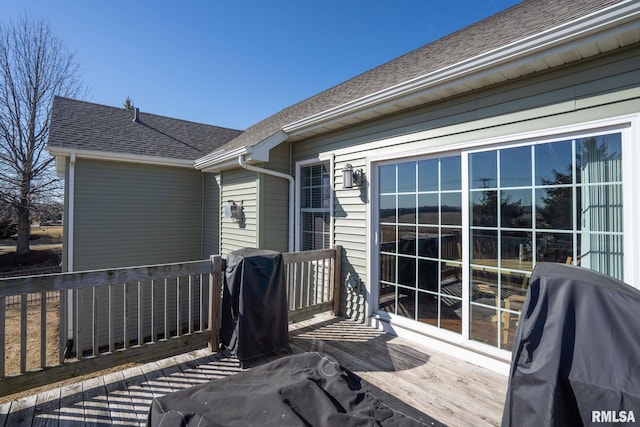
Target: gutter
x=571 y=35
x=119 y=157
x=222 y=159
x=292 y=193
x=219 y=157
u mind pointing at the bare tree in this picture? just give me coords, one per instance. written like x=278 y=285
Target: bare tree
x=34 y=67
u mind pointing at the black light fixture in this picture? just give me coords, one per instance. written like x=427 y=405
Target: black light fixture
x=351 y=178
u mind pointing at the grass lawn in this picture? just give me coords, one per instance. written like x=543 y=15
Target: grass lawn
x=46 y=250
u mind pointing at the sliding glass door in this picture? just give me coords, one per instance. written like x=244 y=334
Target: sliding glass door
x=420 y=226
x=558 y=201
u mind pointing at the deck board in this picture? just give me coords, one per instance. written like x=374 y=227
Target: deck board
x=121 y=408
x=46 y=409
x=452 y=391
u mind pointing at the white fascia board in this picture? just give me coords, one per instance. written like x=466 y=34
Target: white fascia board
x=221 y=159
x=120 y=157
x=218 y=157
x=260 y=152
x=615 y=19
x=221 y=166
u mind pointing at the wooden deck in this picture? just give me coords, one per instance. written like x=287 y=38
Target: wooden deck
x=454 y=392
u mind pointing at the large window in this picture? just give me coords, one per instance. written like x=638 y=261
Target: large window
x=555 y=201
x=550 y=202
x=420 y=219
x=315 y=207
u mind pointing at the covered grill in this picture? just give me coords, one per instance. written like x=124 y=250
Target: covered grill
x=254 y=305
x=576 y=357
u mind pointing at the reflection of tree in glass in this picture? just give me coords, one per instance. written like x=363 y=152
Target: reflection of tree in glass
x=485 y=211
x=557 y=204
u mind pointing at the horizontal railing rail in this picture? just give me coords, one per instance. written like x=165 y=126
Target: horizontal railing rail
x=99 y=319
x=58 y=326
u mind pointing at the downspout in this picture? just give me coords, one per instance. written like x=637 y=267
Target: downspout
x=292 y=193
x=70 y=214
x=70 y=226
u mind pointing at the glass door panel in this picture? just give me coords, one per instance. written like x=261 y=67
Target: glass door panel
x=420 y=224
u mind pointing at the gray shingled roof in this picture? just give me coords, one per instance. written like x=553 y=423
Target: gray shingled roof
x=516 y=23
x=83 y=125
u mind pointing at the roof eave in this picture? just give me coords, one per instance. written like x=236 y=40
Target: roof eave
x=221 y=159
x=119 y=157
x=588 y=29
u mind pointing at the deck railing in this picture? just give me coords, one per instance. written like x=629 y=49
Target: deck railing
x=104 y=318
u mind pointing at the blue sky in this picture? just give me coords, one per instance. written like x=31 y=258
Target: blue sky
x=233 y=63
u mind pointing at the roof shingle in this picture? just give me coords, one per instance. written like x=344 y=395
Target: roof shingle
x=525 y=19
x=87 y=126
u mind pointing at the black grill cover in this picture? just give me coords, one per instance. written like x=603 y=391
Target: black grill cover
x=308 y=389
x=576 y=350
x=254 y=304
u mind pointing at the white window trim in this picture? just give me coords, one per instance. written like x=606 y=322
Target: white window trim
x=627 y=125
x=305 y=163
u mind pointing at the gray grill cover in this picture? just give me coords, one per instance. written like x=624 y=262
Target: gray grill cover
x=576 y=350
x=254 y=304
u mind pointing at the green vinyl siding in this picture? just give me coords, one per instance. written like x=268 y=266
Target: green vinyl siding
x=128 y=214
x=599 y=88
x=239 y=185
x=274 y=209
x=211 y=215
x=274 y=213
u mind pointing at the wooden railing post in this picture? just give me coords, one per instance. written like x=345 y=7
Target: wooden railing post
x=215 y=290
x=335 y=280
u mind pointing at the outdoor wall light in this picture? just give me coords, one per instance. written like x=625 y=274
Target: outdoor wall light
x=351 y=178
x=233 y=210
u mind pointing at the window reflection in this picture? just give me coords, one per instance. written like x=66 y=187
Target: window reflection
x=599 y=159
x=546 y=202
x=484 y=208
x=428 y=275
x=601 y=208
x=484 y=245
x=387 y=178
x=406 y=302
x=554 y=208
x=428 y=175
x=388 y=268
x=554 y=247
x=387 y=298
x=387 y=210
x=515 y=167
x=553 y=163
x=420 y=257
x=428 y=208
x=406 y=177
x=406 y=271
x=452 y=208
x=516 y=250
x=428 y=308
x=451 y=244
x=407 y=240
x=515 y=208
x=483 y=170
x=407 y=208
x=451 y=173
